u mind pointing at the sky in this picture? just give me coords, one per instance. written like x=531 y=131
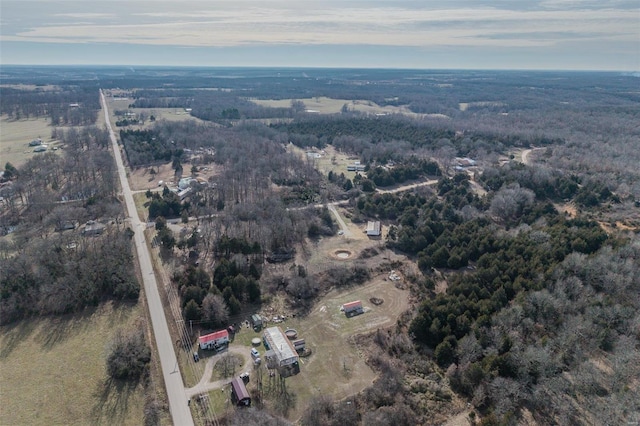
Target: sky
x=422 y=34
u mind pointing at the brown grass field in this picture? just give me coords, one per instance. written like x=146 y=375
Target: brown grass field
x=169 y=114
x=52 y=371
x=330 y=159
x=15 y=136
x=324 y=105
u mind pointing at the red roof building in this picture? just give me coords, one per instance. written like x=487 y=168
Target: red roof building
x=208 y=341
x=353 y=308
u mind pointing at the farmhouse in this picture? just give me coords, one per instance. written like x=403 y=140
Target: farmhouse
x=281 y=353
x=66 y=225
x=464 y=162
x=93 y=228
x=356 y=167
x=214 y=340
x=184 y=193
x=184 y=183
x=353 y=308
x=374 y=229
x=239 y=393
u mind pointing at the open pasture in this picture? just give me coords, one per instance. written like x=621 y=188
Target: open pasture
x=15 y=136
x=52 y=371
x=324 y=105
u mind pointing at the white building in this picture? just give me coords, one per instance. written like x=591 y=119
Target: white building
x=281 y=353
x=374 y=229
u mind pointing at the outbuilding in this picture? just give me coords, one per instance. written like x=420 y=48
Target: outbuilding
x=353 y=308
x=374 y=229
x=256 y=321
x=239 y=393
x=281 y=354
x=214 y=340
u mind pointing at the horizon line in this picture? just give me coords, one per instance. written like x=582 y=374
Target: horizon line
x=300 y=67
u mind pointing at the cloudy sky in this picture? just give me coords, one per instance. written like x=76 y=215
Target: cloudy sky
x=468 y=34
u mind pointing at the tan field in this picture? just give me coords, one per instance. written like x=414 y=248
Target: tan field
x=337 y=366
x=53 y=371
x=169 y=114
x=15 y=136
x=327 y=159
x=324 y=105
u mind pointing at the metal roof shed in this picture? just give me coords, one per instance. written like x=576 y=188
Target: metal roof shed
x=239 y=393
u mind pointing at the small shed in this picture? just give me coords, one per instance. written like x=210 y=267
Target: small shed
x=214 y=340
x=353 y=308
x=256 y=321
x=239 y=393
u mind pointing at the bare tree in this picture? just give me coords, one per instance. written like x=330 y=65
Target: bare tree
x=215 y=310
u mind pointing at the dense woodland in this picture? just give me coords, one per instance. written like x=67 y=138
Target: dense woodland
x=48 y=266
x=540 y=315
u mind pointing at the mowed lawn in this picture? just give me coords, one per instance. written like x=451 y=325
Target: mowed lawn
x=52 y=371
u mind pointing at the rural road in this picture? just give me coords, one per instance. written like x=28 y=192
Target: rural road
x=180 y=412
x=341 y=222
x=407 y=187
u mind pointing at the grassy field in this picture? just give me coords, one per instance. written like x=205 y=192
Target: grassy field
x=337 y=365
x=15 y=136
x=169 y=114
x=52 y=371
x=324 y=105
x=330 y=159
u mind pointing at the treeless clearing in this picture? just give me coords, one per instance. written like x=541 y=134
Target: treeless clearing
x=42 y=88
x=53 y=370
x=337 y=366
x=568 y=209
x=142 y=179
x=327 y=160
x=15 y=136
x=169 y=114
x=324 y=105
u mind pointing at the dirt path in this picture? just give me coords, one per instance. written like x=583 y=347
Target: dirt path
x=407 y=187
x=526 y=154
x=343 y=225
x=205 y=384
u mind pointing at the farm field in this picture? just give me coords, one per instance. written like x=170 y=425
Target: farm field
x=53 y=371
x=324 y=105
x=169 y=114
x=15 y=136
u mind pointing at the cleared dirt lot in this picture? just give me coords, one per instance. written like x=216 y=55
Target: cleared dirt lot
x=326 y=160
x=142 y=179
